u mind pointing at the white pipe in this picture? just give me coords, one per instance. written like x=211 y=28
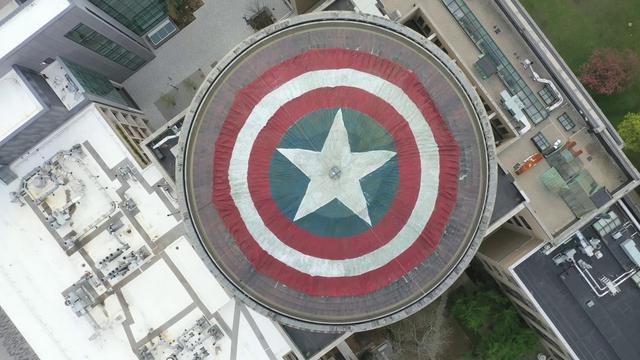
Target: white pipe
x=165 y=139
x=624 y=276
x=573 y=260
x=595 y=281
x=615 y=283
x=527 y=125
x=588 y=282
x=527 y=64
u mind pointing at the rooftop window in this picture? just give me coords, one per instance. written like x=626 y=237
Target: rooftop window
x=507 y=73
x=138 y=16
x=100 y=44
x=547 y=95
x=566 y=122
x=568 y=179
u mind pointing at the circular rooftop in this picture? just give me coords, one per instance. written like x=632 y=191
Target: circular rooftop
x=337 y=171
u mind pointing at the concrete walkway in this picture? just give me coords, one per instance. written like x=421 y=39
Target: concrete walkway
x=218 y=27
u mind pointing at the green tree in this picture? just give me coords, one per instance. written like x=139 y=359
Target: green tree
x=497 y=331
x=629 y=130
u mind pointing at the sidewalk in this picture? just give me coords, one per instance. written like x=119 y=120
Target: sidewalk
x=218 y=27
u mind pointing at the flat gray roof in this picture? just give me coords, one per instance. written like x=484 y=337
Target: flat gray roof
x=310 y=342
x=609 y=329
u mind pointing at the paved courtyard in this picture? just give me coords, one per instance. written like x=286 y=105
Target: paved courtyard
x=218 y=27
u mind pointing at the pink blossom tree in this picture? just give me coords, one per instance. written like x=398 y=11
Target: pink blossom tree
x=609 y=71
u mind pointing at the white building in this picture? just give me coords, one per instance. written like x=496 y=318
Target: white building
x=139 y=284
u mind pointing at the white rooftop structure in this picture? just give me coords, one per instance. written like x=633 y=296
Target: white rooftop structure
x=61 y=82
x=27 y=22
x=515 y=107
x=630 y=247
x=17 y=102
x=153 y=301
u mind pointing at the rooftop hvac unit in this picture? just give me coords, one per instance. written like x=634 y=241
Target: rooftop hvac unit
x=636 y=279
x=631 y=249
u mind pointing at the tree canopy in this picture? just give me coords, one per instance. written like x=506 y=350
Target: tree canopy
x=498 y=332
x=629 y=130
x=422 y=336
x=609 y=71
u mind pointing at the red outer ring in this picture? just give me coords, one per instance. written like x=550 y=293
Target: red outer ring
x=408 y=164
x=426 y=242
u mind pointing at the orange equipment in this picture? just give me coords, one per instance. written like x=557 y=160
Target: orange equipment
x=530 y=162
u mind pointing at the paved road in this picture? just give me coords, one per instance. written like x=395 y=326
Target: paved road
x=12 y=345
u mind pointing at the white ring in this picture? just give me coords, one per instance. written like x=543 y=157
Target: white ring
x=429 y=176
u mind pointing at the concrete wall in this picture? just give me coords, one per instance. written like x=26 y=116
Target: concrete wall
x=50 y=42
x=302 y=6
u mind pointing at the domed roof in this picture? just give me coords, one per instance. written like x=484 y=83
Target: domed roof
x=336 y=172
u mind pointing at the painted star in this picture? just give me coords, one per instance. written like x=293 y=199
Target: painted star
x=335 y=172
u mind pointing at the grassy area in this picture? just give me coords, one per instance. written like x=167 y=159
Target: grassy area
x=577 y=27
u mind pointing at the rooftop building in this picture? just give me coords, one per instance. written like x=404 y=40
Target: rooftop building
x=55 y=57
x=588 y=286
x=580 y=295
x=35 y=32
x=561 y=171
x=312 y=171
x=38 y=103
x=563 y=145
x=103 y=258
x=91 y=203
x=84 y=49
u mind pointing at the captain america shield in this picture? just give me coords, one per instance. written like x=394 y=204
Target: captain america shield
x=305 y=208
x=334 y=175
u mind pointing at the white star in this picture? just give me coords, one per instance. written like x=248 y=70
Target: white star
x=335 y=172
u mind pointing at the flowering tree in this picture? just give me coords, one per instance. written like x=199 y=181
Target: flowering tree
x=609 y=71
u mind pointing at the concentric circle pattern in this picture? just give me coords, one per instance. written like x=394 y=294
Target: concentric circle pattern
x=336 y=172
x=288 y=184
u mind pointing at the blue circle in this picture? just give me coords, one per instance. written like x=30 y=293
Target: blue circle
x=289 y=184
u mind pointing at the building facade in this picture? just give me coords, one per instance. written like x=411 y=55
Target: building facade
x=65 y=54
x=37 y=103
x=41 y=30
x=137 y=16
